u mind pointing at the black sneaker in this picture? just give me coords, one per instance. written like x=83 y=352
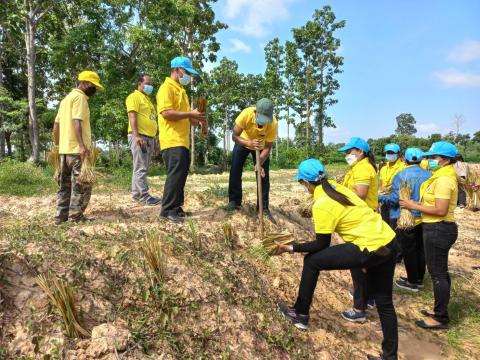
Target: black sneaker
x=373 y=357
x=231 y=206
x=419 y=284
x=59 y=221
x=371 y=304
x=152 y=201
x=182 y=213
x=268 y=214
x=298 y=320
x=173 y=218
x=354 y=316
x=404 y=284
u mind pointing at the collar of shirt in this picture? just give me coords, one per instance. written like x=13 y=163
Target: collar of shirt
x=80 y=92
x=176 y=85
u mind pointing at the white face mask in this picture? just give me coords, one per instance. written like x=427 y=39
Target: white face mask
x=351 y=159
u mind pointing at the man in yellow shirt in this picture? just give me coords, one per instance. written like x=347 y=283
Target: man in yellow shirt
x=142 y=129
x=72 y=134
x=255 y=129
x=174 y=121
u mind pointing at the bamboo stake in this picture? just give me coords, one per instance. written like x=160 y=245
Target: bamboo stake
x=259 y=192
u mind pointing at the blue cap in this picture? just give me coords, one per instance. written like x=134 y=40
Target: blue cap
x=392 y=147
x=183 y=62
x=442 y=148
x=358 y=143
x=413 y=154
x=310 y=170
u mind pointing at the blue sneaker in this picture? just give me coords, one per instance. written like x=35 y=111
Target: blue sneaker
x=298 y=320
x=354 y=316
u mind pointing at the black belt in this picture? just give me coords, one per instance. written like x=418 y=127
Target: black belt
x=150 y=137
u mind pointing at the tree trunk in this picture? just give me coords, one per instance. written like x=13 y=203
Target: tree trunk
x=288 y=127
x=307 y=125
x=2 y=133
x=9 y=143
x=225 y=138
x=32 y=106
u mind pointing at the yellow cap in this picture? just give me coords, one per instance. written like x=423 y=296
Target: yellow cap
x=91 y=76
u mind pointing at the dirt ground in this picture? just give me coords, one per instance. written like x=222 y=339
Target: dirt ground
x=218 y=301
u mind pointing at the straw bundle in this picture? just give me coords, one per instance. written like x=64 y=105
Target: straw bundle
x=53 y=160
x=87 y=173
x=62 y=298
x=271 y=241
x=406 y=220
x=306 y=208
x=202 y=104
x=154 y=256
x=468 y=184
x=385 y=190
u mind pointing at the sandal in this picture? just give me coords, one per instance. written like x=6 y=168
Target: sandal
x=424 y=325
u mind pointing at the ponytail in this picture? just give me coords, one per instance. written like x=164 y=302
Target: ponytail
x=331 y=192
x=371 y=160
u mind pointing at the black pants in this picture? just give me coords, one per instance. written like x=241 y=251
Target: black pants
x=413 y=253
x=239 y=156
x=379 y=277
x=438 y=238
x=177 y=162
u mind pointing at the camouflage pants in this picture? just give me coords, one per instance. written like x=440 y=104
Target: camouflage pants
x=72 y=197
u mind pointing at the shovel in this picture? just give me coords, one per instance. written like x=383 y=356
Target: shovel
x=259 y=192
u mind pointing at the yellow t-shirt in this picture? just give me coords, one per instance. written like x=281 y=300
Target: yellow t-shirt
x=74 y=106
x=172 y=96
x=388 y=171
x=442 y=185
x=146 y=115
x=251 y=131
x=357 y=224
x=363 y=173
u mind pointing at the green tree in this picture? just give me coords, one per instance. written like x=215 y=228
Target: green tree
x=274 y=84
x=321 y=63
x=292 y=74
x=405 y=124
x=476 y=137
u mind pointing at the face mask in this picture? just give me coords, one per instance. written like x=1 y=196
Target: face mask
x=351 y=159
x=391 y=157
x=185 y=79
x=433 y=164
x=147 y=89
x=90 y=91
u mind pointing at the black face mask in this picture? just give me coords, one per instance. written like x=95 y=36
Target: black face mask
x=90 y=91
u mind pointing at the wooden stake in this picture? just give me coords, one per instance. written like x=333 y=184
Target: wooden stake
x=259 y=192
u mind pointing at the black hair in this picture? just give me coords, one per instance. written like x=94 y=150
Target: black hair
x=371 y=160
x=452 y=160
x=331 y=192
x=412 y=162
x=141 y=77
x=459 y=157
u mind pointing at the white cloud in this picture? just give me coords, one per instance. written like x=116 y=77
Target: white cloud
x=466 y=52
x=456 y=78
x=239 y=46
x=208 y=66
x=254 y=17
x=426 y=127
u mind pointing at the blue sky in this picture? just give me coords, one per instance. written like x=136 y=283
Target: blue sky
x=421 y=57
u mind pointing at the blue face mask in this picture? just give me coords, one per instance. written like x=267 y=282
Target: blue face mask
x=391 y=157
x=147 y=89
x=185 y=79
x=433 y=164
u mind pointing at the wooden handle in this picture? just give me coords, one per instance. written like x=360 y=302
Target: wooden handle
x=259 y=192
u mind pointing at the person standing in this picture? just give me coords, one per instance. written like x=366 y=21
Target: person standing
x=362 y=180
x=461 y=168
x=255 y=129
x=393 y=165
x=174 y=119
x=142 y=129
x=411 y=240
x=438 y=200
x=72 y=134
x=369 y=244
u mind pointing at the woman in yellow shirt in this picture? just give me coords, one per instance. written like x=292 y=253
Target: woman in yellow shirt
x=362 y=180
x=438 y=199
x=369 y=245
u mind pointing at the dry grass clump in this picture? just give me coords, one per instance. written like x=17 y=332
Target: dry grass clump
x=196 y=240
x=53 y=159
x=62 y=298
x=406 y=220
x=202 y=104
x=155 y=256
x=471 y=186
x=87 y=173
x=306 y=207
x=271 y=241
x=228 y=235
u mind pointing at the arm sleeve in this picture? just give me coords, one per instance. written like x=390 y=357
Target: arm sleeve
x=272 y=132
x=165 y=99
x=394 y=197
x=241 y=120
x=362 y=177
x=132 y=103
x=79 y=104
x=321 y=242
